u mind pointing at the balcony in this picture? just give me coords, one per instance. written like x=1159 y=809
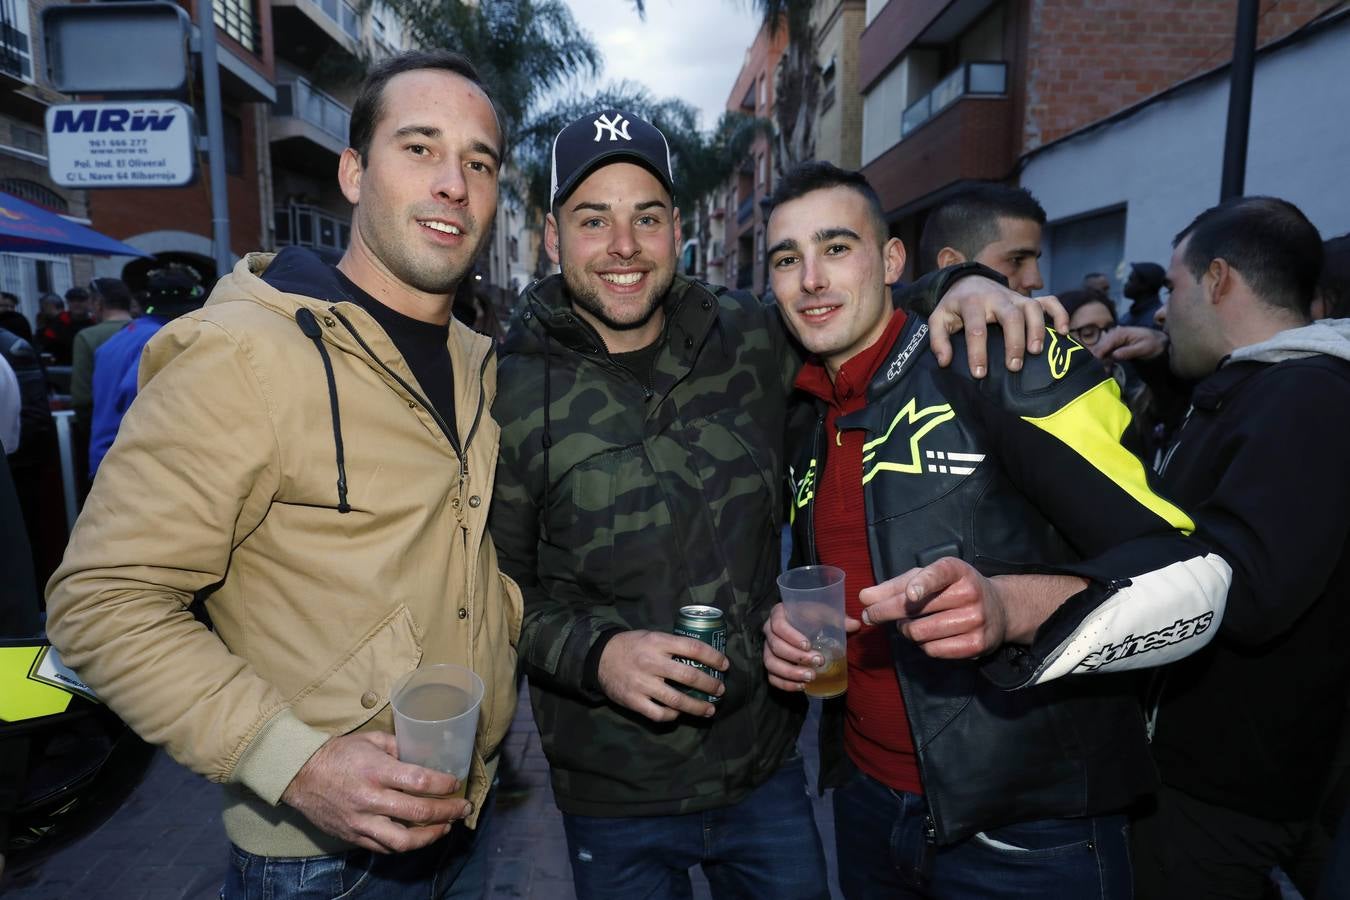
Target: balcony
x=974 y=136
x=301 y=225
x=981 y=79
x=309 y=128
x=304 y=29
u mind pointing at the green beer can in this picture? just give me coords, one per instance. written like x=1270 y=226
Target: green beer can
x=706 y=624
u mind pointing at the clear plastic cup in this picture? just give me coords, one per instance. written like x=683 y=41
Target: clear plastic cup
x=436 y=718
x=813 y=597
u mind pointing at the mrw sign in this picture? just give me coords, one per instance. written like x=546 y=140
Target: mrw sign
x=133 y=143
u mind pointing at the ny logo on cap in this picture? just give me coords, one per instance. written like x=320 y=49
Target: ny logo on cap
x=617 y=127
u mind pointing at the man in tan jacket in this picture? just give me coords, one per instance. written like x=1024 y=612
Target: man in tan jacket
x=312 y=454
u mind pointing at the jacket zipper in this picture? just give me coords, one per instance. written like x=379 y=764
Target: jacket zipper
x=482 y=399
x=445 y=429
x=819 y=448
x=821 y=444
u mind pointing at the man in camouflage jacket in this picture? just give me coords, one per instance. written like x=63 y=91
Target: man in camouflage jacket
x=633 y=483
x=641 y=469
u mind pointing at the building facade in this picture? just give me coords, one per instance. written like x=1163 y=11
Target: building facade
x=836 y=26
x=175 y=224
x=25 y=95
x=289 y=71
x=954 y=90
x=1161 y=158
x=742 y=221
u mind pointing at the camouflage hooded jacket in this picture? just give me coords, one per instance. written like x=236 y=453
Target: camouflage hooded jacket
x=620 y=499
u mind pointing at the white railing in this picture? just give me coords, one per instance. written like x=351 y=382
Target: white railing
x=301 y=99
x=977 y=79
x=347 y=16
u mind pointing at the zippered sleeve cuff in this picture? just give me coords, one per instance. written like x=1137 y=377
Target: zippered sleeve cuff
x=273 y=758
x=1148 y=619
x=923 y=295
x=590 y=679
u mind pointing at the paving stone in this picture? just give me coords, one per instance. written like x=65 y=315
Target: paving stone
x=167 y=840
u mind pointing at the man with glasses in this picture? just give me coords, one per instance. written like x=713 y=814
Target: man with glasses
x=1090 y=315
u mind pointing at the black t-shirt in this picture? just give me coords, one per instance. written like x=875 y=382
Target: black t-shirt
x=640 y=362
x=422 y=344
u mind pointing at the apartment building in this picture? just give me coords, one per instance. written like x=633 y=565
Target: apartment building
x=174 y=224
x=975 y=89
x=24 y=97
x=287 y=75
x=741 y=262
x=836 y=26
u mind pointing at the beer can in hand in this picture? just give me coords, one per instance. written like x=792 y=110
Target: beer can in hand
x=706 y=624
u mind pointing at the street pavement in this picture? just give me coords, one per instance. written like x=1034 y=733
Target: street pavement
x=167 y=843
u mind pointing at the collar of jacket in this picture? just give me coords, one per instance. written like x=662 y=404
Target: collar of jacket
x=245 y=282
x=907 y=350
x=690 y=309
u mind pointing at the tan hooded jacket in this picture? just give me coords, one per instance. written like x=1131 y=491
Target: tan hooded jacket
x=224 y=480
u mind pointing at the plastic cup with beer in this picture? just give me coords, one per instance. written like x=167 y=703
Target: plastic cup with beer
x=436 y=718
x=813 y=597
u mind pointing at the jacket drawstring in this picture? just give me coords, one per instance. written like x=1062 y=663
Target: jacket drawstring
x=547 y=440
x=310 y=327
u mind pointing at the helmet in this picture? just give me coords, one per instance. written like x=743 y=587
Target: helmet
x=66 y=762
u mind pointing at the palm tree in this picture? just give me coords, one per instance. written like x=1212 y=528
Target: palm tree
x=521 y=48
x=797 y=90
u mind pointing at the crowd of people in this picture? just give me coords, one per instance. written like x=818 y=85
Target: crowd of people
x=82 y=353
x=1094 y=576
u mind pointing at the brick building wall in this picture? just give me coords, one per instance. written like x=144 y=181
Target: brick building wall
x=126 y=213
x=1089 y=59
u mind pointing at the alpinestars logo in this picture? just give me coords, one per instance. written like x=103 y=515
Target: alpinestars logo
x=898 y=364
x=1178 y=631
x=617 y=127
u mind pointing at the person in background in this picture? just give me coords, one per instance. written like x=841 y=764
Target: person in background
x=1097 y=281
x=1245 y=731
x=11 y=408
x=52 y=332
x=1143 y=288
x=992 y=224
x=170 y=292
x=33 y=463
x=79 y=309
x=1090 y=314
x=112 y=309
x=1333 y=286
x=11 y=319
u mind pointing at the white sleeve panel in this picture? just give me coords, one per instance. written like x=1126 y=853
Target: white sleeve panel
x=1158 y=618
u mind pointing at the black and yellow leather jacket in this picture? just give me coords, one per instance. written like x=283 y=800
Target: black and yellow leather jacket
x=1021 y=472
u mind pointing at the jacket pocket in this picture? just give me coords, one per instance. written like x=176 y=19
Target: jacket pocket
x=357 y=687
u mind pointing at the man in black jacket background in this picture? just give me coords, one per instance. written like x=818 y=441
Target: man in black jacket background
x=1244 y=730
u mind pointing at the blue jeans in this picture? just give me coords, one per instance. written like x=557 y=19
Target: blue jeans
x=884 y=851
x=453 y=868
x=764 y=846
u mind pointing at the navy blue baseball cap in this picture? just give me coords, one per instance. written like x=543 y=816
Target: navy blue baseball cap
x=608 y=136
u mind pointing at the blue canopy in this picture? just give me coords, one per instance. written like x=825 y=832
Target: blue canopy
x=25 y=228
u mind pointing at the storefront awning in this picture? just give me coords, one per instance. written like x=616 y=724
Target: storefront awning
x=25 y=228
